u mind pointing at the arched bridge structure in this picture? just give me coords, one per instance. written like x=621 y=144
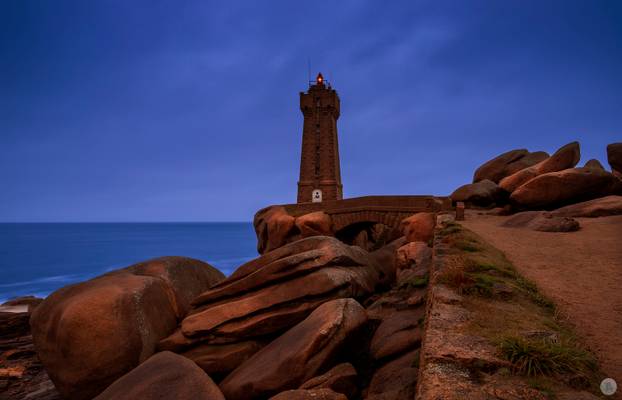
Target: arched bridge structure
x=387 y=210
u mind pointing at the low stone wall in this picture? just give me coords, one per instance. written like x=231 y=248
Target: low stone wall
x=447 y=354
x=465 y=325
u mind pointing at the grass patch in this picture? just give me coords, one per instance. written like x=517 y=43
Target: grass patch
x=416 y=282
x=482 y=284
x=477 y=266
x=451 y=228
x=543 y=386
x=511 y=313
x=534 y=357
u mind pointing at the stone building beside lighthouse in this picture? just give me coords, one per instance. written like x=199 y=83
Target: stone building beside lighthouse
x=320 y=175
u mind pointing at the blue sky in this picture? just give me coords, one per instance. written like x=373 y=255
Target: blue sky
x=188 y=111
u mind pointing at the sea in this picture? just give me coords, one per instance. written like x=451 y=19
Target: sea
x=39 y=258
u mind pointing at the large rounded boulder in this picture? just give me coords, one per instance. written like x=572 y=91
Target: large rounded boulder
x=419 y=227
x=566 y=187
x=89 y=334
x=315 y=224
x=482 y=193
x=164 y=376
x=274 y=228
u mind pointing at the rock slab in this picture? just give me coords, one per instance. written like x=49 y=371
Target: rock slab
x=297 y=355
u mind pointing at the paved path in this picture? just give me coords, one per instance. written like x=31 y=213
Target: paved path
x=581 y=271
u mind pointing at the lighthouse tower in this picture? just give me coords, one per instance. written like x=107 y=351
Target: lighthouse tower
x=320 y=175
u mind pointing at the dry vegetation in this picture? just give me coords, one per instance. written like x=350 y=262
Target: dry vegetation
x=511 y=313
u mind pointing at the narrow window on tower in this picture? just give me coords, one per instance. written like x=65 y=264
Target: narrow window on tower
x=317 y=160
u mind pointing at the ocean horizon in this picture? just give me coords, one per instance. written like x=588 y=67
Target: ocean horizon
x=37 y=258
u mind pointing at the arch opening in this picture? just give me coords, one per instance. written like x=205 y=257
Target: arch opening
x=369 y=235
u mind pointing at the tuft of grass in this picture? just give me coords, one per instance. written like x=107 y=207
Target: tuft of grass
x=455 y=276
x=532 y=291
x=483 y=265
x=539 y=357
x=416 y=282
x=450 y=229
x=469 y=247
x=482 y=284
x=420 y=281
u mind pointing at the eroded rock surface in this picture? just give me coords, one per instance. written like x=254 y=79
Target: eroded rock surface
x=341 y=378
x=276 y=291
x=396 y=380
x=297 y=355
x=398 y=333
x=22 y=375
x=315 y=224
x=217 y=360
x=274 y=228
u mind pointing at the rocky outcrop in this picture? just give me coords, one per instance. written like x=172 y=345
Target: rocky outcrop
x=21 y=374
x=419 y=227
x=594 y=163
x=91 y=333
x=482 y=193
x=614 y=157
x=601 y=207
x=315 y=224
x=164 y=376
x=274 y=228
x=541 y=221
x=566 y=157
x=297 y=355
x=412 y=255
x=217 y=360
x=566 y=187
x=341 y=378
x=412 y=262
x=370 y=237
x=397 y=334
x=508 y=163
x=278 y=290
x=396 y=380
